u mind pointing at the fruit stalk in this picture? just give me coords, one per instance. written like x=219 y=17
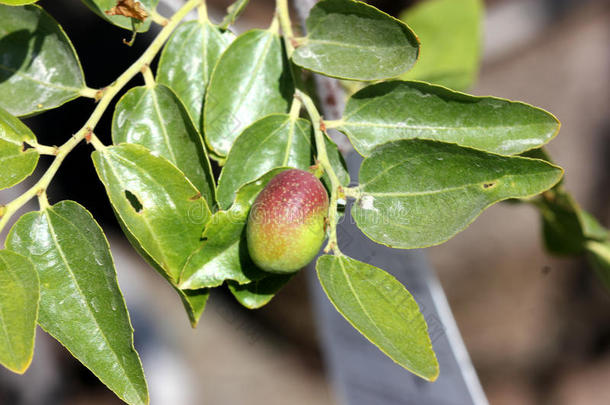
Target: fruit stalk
x=322 y=156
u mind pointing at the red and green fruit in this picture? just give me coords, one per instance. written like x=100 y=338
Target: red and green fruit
x=285 y=227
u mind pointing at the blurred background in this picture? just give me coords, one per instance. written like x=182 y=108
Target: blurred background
x=537 y=328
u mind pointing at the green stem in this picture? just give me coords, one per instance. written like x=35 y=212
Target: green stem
x=87 y=130
x=202 y=12
x=149 y=79
x=295 y=108
x=322 y=155
x=158 y=18
x=281 y=9
x=88 y=92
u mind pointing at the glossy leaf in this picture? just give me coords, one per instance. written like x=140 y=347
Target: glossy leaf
x=352 y=40
x=450 y=34
x=251 y=80
x=273 y=141
x=17 y=163
x=337 y=162
x=403 y=110
x=194 y=301
x=417 y=193
x=223 y=255
x=162 y=210
x=187 y=62
x=380 y=308
x=17 y=2
x=80 y=302
x=19 y=295
x=258 y=293
x=39 y=69
x=155 y=118
x=233 y=12
x=99 y=7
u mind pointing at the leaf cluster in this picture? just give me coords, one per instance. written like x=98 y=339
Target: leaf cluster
x=434 y=159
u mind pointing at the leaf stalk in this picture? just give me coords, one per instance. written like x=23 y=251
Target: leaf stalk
x=86 y=132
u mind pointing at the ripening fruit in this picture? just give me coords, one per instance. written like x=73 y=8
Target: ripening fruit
x=286 y=223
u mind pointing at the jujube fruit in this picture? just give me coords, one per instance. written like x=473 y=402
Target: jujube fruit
x=285 y=227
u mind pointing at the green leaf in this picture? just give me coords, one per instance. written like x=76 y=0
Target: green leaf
x=39 y=69
x=337 y=162
x=17 y=2
x=251 y=79
x=80 y=302
x=352 y=40
x=416 y=193
x=19 y=295
x=17 y=163
x=223 y=255
x=450 y=34
x=155 y=118
x=99 y=7
x=162 y=210
x=233 y=12
x=599 y=257
x=403 y=110
x=187 y=61
x=273 y=141
x=258 y=293
x=380 y=308
x=194 y=301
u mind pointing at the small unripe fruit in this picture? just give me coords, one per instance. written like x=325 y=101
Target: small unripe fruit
x=286 y=223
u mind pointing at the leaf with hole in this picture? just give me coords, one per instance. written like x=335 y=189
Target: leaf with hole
x=252 y=79
x=404 y=110
x=39 y=69
x=276 y=140
x=223 y=255
x=380 y=308
x=81 y=304
x=19 y=295
x=450 y=34
x=155 y=118
x=162 y=210
x=415 y=193
x=258 y=293
x=352 y=40
x=187 y=62
x=18 y=160
x=100 y=7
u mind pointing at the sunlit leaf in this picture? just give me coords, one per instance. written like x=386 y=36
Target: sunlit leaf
x=251 y=79
x=273 y=141
x=223 y=255
x=450 y=34
x=17 y=2
x=16 y=159
x=402 y=110
x=352 y=40
x=380 y=308
x=19 y=294
x=80 y=302
x=187 y=62
x=599 y=257
x=155 y=118
x=416 y=193
x=39 y=69
x=100 y=7
x=162 y=210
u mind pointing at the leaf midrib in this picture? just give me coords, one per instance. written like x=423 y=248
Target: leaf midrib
x=87 y=303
